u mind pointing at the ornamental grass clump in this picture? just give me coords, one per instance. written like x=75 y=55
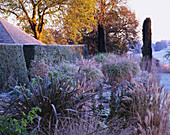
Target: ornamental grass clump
x=102 y=56
x=119 y=68
x=146 y=107
x=91 y=69
x=152 y=108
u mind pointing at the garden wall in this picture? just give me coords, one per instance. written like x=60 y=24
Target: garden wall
x=15 y=59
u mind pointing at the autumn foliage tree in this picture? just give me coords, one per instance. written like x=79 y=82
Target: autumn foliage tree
x=78 y=17
x=103 y=8
x=52 y=36
x=121 y=30
x=34 y=14
x=102 y=24
x=120 y=27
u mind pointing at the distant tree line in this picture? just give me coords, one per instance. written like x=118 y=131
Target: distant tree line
x=160 y=45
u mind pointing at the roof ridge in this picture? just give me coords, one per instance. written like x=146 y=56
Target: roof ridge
x=17 y=35
x=7 y=29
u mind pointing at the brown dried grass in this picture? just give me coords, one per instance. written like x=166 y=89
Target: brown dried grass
x=152 y=109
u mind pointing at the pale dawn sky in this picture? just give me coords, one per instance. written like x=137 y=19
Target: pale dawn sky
x=158 y=11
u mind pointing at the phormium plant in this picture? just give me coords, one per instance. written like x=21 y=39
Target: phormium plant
x=55 y=97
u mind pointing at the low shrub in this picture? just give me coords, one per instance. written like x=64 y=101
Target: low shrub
x=65 y=69
x=11 y=126
x=121 y=100
x=39 y=68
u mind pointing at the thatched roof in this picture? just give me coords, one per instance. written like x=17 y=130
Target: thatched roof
x=11 y=34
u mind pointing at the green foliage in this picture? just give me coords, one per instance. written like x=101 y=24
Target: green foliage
x=11 y=126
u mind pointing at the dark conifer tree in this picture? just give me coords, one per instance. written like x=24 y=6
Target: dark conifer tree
x=147 y=42
x=101 y=39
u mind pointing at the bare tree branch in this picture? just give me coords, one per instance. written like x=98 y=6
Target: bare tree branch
x=39 y=2
x=23 y=8
x=32 y=2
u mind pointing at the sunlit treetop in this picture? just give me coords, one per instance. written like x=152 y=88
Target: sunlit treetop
x=80 y=15
x=37 y=13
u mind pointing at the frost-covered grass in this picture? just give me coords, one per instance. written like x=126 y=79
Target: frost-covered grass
x=107 y=94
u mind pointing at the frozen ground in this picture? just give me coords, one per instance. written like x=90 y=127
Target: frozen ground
x=165 y=80
x=165 y=77
x=160 y=55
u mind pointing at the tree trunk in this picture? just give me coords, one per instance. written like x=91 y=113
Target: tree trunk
x=147 y=48
x=37 y=30
x=37 y=35
x=101 y=39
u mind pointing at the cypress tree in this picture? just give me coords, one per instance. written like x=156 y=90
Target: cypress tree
x=101 y=39
x=147 y=42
